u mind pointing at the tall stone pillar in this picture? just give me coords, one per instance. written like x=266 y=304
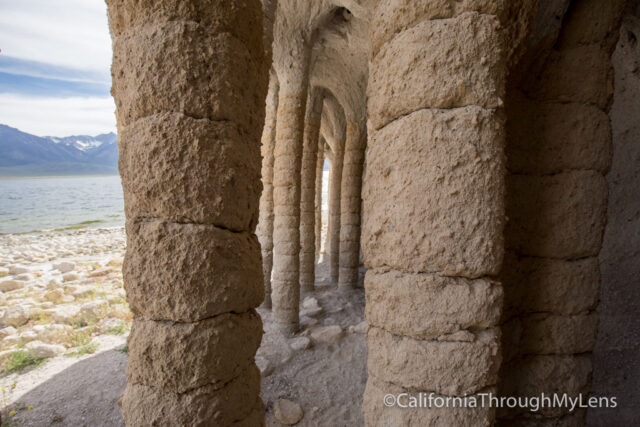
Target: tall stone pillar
x=265 y=223
x=350 y=206
x=318 y=196
x=308 y=189
x=189 y=81
x=558 y=150
x=434 y=208
x=293 y=73
x=335 y=183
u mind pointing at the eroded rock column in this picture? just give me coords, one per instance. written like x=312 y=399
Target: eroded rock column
x=559 y=148
x=350 y=202
x=318 y=196
x=293 y=73
x=335 y=184
x=434 y=208
x=308 y=189
x=189 y=80
x=265 y=223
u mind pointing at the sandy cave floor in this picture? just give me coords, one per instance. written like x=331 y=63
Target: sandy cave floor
x=327 y=379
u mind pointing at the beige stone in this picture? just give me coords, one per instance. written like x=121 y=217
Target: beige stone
x=436 y=205
x=443 y=63
x=146 y=84
x=426 y=306
x=265 y=222
x=308 y=188
x=287 y=412
x=393 y=17
x=169 y=170
x=285 y=293
x=350 y=203
x=448 y=368
x=183 y=356
x=377 y=414
x=202 y=406
x=335 y=217
x=187 y=292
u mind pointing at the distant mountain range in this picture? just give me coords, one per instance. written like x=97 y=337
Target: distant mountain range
x=23 y=154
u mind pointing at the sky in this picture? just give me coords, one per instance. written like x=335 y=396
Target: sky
x=54 y=67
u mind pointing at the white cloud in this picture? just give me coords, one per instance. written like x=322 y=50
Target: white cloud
x=69 y=33
x=58 y=116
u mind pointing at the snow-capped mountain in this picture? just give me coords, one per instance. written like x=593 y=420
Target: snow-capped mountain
x=85 y=143
x=25 y=154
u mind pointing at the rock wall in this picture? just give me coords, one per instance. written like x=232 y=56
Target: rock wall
x=189 y=81
x=616 y=366
x=558 y=151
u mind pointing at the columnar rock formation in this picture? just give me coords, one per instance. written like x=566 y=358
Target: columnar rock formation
x=291 y=61
x=265 y=223
x=616 y=366
x=350 y=202
x=487 y=138
x=335 y=184
x=308 y=189
x=189 y=80
x=434 y=208
x=559 y=148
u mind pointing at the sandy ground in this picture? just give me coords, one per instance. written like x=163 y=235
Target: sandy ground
x=327 y=379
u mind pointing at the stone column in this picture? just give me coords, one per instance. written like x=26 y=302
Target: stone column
x=189 y=81
x=308 y=188
x=318 y=201
x=434 y=208
x=558 y=150
x=265 y=223
x=350 y=206
x=294 y=81
x=335 y=183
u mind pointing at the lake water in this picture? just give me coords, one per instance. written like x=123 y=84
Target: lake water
x=31 y=204
x=34 y=204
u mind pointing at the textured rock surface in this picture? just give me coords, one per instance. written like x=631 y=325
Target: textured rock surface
x=463 y=60
x=189 y=81
x=433 y=202
x=350 y=203
x=308 y=189
x=616 y=366
x=184 y=291
x=376 y=414
x=426 y=306
x=457 y=228
x=237 y=401
x=558 y=147
x=447 y=368
x=265 y=223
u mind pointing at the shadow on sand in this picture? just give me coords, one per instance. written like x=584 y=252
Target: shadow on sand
x=84 y=394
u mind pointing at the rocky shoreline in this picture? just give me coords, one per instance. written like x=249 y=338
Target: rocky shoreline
x=58 y=292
